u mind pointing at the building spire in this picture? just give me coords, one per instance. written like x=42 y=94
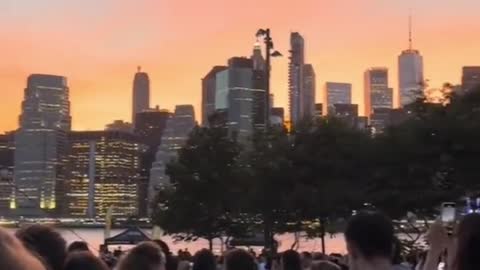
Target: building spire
x=410 y=30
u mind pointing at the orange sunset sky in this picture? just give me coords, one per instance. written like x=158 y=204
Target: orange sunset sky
x=97 y=44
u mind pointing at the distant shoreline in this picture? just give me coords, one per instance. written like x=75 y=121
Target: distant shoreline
x=74 y=224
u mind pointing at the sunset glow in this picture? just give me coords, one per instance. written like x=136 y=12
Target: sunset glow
x=98 y=44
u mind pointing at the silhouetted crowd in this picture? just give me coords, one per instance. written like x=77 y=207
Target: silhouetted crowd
x=370 y=240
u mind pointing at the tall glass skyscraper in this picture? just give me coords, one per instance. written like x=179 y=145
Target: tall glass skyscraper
x=295 y=77
x=240 y=91
x=309 y=91
x=377 y=92
x=41 y=143
x=257 y=58
x=141 y=93
x=209 y=84
x=410 y=73
x=410 y=76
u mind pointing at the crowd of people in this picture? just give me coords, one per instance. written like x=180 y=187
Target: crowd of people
x=370 y=240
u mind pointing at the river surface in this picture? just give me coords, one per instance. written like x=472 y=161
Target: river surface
x=95 y=237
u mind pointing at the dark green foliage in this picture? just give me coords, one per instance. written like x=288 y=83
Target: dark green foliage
x=316 y=175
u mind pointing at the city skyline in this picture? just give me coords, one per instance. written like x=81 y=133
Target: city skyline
x=99 y=66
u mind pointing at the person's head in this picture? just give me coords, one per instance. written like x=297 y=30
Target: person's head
x=46 y=243
x=291 y=260
x=171 y=262
x=370 y=237
x=184 y=265
x=163 y=246
x=468 y=243
x=306 y=259
x=325 y=265
x=78 y=246
x=145 y=256
x=318 y=256
x=239 y=259
x=83 y=260
x=14 y=256
x=204 y=260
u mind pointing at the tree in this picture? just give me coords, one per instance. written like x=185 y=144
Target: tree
x=269 y=182
x=329 y=162
x=428 y=159
x=201 y=203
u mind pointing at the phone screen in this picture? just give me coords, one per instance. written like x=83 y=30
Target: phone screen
x=448 y=212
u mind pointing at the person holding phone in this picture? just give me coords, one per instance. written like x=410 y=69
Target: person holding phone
x=463 y=246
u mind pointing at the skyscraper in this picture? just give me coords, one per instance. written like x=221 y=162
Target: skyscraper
x=184 y=116
x=257 y=58
x=41 y=145
x=7 y=149
x=377 y=92
x=150 y=125
x=318 y=111
x=309 y=91
x=105 y=170
x=208 y=93
x=410 y=72
x=176 y=132
x=119 y=125
x=240 y=92
x=278 y=116
x=295 y=77
x=149 y=128
x=386 y=117
x=337 y=93
x=141 y=93
x=470 y=77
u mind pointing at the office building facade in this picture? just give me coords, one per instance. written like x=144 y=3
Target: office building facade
x=208 y=93
x=337 y=93
x=239 y=92
x=150 y=125
x=377 y=92
x=105 y=173
x=7 y=150
x=41 y=146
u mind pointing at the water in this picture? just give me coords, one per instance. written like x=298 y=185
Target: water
x=95 y=238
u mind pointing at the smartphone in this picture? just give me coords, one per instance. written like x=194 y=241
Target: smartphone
x=449 y=213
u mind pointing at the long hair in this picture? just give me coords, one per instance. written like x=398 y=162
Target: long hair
x=468 y=250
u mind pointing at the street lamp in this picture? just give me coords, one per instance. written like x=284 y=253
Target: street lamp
x=265 y=35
